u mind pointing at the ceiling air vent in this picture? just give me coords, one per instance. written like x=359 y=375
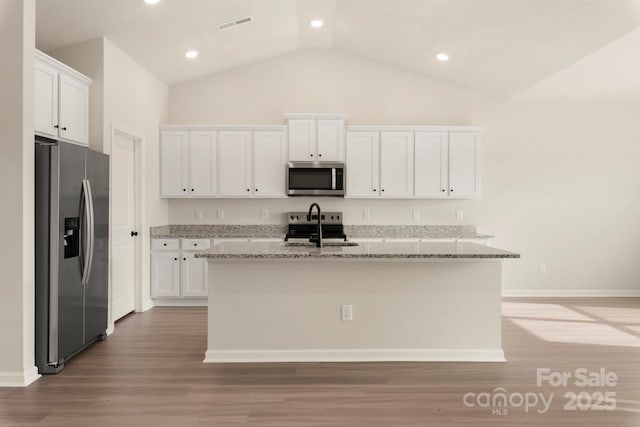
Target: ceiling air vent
x=235 y=22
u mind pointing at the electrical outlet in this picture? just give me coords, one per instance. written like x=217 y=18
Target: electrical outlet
x=199 y=214
x=264 y=214
x=543 y=268
x=416 y=214
x=366 y=214
x=346 y=312
x=459 y=214
x=220 y=214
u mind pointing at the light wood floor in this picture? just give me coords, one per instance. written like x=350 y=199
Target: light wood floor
x=150 y=373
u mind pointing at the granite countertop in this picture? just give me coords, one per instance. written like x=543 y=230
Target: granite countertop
x=379 y=250
x=352 y=231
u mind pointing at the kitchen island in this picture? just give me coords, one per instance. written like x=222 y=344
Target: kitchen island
x=424 y=301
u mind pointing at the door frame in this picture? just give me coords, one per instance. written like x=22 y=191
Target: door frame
x=140 y=224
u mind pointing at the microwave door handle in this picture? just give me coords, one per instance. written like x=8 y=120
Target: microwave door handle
x=333 y=178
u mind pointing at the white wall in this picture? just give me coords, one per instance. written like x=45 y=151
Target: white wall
x=558 y=179
x=17 y=42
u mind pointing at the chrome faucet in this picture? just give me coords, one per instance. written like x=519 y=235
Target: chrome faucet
x=319 y=229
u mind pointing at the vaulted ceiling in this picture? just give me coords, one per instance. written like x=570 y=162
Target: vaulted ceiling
x=497 y=47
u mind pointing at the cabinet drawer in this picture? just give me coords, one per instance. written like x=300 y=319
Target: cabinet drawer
x=195 y=244
x=165 y=244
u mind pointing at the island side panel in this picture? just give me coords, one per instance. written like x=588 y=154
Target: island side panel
x=289 y=310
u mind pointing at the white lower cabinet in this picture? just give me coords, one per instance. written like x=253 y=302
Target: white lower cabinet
x=178 y=273
x=165 y=274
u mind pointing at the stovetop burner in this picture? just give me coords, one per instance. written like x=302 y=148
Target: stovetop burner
x=302 y=228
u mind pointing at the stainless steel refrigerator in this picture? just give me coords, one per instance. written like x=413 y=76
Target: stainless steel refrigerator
x=71 y=250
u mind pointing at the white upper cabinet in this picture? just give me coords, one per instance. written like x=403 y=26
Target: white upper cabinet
x=174 y=164
x=363 y=178
x=46 y=103
x=396 y=164
x=379 y=164
x=316 y=138
x=464 y=160
x=202 y=164
x=61 y=101
x=431 y=164
x=330 y=140
x=302 y=140
x=269 y=157
x=234 y=163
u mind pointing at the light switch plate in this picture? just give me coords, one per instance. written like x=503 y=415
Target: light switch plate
x=459 y=214
x=264 y=213
x=415 y=214
x=346 y=312
x=220 y=214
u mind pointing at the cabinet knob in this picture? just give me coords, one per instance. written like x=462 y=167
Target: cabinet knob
x=443 y=190
x=135 y=233
x=192 y=189
x=184 y=259
x=56 y=126
x=451 y=190
x=310 y=155
x=248 y=189
x=164 y=244
x=184 y=189
x=374 y=190
x=256 y=190
x=64 y=128
x=195 y=244
x=383 y=190
x=319 y=155
x=175 y=259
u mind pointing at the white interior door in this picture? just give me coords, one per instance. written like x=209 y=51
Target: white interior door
x=123 y=220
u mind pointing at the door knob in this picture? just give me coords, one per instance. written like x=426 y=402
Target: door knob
x=135 y=233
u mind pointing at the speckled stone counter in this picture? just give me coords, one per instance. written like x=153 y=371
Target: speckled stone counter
x=352 y=231
x=378 y=250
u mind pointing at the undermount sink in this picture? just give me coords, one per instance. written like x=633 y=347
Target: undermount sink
x=324 y=244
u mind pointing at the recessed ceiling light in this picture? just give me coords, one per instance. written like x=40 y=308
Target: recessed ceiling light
x=316 y=23
x=191 y=54
x=152 y=1
x=442 y=57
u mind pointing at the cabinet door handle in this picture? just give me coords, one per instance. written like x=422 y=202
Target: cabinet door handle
x=135 y=233
x=64 y=129
x=56 y=126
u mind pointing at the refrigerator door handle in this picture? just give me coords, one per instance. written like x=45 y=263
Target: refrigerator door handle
x=87 y=213
x=92 y=239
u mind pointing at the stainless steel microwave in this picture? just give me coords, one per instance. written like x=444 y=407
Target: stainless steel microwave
x=315 y=179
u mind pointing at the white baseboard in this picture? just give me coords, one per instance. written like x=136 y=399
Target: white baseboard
x=560 y=293
x=19 y=379
x=180 y=302
x=355 y=355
